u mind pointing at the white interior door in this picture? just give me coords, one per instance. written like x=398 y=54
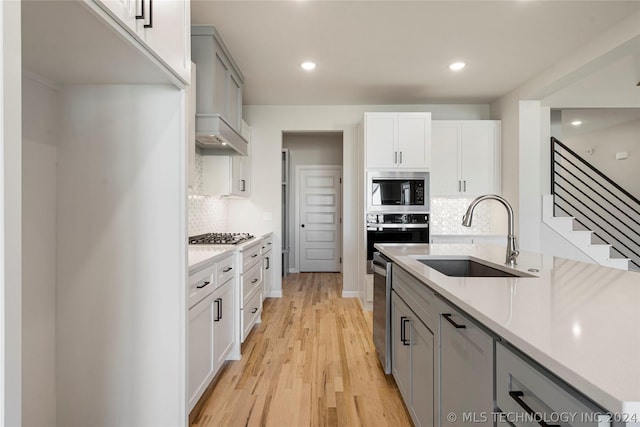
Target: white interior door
x=319 y=212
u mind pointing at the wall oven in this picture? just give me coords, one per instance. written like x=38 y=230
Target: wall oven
x=392 y=191
x=395 y=228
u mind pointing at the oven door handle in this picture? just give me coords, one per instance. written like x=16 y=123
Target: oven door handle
x=379 y=270
x=374 y=226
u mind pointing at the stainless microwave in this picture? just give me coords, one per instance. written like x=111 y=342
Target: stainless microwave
x=393 y=191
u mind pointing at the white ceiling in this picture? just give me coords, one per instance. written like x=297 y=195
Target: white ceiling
x=398 y=52
x=595 y=119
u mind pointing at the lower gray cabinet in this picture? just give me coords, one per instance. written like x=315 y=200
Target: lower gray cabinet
x=413 y=361
x=466 y=369
x=525 y=396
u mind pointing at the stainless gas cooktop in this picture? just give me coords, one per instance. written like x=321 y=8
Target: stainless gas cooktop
x=219 y=238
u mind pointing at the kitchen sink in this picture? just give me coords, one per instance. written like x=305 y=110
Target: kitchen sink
x=466 y=268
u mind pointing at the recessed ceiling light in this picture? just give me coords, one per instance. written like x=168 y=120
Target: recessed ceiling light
x=457 y=66
x=576 y=122
x=308 y=65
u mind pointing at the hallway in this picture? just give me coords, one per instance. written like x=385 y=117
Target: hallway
x=310 y=363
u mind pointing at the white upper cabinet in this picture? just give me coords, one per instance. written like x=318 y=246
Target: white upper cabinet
x=465 y=157
x=398 y=140
x=164 y=26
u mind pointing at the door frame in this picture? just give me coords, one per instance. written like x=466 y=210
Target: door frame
x=299 y=169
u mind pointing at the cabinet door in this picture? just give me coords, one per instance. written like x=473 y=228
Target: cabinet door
x=123 y=10
x=422 y=375
x=466 y=369
x=445 y=174
x=400 y=346
x=381 y=132
x=266 y=273
x=478 y=152
x=191 y=127
x=223 y=321
x=169 y=33
x=216 y=175
x=201 y=358
x=220 y=84
x=414 y=140
x=235 y=101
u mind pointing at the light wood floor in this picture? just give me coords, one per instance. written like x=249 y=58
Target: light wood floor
x=310 y=363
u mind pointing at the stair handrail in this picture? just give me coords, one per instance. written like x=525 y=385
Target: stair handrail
x=564 y=173
x=554 y=140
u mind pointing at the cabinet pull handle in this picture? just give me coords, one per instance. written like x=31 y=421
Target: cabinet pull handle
x=464 y=186
x=202 y=285
x=254 y=310
x=254 y=281
x=150 y=24
x=255 y=255
x=395 y=157
x=226 y=270
x=400 y=157
x=456 y=325
x=141 y=16
x=403 y=322
x=268 y=263
x=244 y=185
x=459 y=186
x=218 y=302
x=517 y=395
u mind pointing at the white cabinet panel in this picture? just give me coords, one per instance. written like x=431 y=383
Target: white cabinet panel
x=397 y=140
x=445 y=167
x=201 y=357
x=380 y=139
x=414 y=140
x=477 y=157
x=465 y=157
x=168 y=33
x=223 y=322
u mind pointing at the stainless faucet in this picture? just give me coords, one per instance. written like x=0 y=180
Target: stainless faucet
x=512 y=244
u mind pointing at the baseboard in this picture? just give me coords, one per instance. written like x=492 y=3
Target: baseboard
x=275 y=294
x=350 y=294
x=294 y=270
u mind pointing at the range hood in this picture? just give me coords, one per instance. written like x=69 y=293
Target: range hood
x=215 y=136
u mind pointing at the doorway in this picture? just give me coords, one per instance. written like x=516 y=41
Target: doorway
x=313 y=214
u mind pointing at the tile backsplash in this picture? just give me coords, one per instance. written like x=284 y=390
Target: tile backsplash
x=446 y=217
x=206 y=214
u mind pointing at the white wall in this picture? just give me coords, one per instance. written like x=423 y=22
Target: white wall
x=605 y=143
x=10 y=214
x=39 y=155
x=122 y=267
x=267 y=124
x=307 y=149
x=517 y=118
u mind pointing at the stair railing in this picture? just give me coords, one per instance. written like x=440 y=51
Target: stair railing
x=595 y=201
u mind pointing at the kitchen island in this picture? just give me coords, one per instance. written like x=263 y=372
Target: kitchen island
x=577 y=323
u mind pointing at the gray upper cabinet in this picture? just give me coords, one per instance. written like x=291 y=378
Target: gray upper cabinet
x=219 y=79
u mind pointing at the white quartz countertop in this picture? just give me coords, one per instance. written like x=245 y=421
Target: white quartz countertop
x=201 y=255
x=580 y=321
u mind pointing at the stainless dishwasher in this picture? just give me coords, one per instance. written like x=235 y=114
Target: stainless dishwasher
x=382 y=309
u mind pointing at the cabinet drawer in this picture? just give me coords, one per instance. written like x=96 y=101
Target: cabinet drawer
x=417 y=296
x=521 y=388
x=226 y=269
x=250 y=257
x=267 y=245
x=251 y=280
x=251 y=314
x=201 y=284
